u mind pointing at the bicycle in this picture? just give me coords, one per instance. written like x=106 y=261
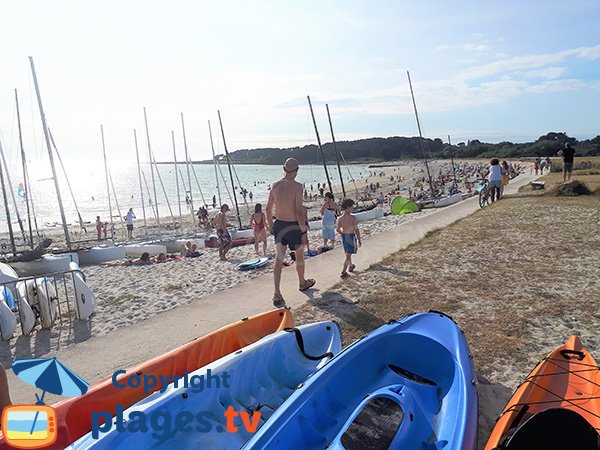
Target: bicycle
x=484 y=194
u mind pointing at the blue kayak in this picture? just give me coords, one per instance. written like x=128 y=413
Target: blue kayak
x=252 y=382
x=407 y=385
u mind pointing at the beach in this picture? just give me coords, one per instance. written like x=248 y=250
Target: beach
x=408 y=263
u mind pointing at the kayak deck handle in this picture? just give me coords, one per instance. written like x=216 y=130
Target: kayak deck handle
x=300 y=342
x=569 y=354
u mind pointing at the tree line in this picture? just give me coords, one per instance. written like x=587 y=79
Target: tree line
x=394 y=148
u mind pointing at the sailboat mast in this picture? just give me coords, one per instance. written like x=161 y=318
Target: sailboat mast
x=420 y=135
x=176 y=173
x=152 y=170
x=137 y=157
x=12 y=194
x=452 y=159
x=25 y=176
x=337 y=155
x=212 y=146
x=188 y=166
x=237 y=208
x=47 y=137
x=112 y=236
x=8 y=219
x=319 y=142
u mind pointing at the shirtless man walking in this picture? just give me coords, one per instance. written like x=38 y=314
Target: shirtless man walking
x=289 y=227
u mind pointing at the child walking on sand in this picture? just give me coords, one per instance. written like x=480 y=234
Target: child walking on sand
x=347 y=227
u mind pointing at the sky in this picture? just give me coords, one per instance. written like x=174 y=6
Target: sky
x=489 y=70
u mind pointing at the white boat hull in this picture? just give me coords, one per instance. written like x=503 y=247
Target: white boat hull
x=136 y=250
x=47 y=264
x=99 y=255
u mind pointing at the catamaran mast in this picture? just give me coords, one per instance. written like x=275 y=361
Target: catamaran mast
x=176 y=174
x=112 y=236
x=188 y=165
x=237 y=208
x=337 y=155
x=452 y=159
x=47 y=137
x=319 y=142
x=25 y=175
x=421 y=135
x=137 y=157
x=8 y=219
x=152 y=170
x=212 y=146
x=12 y=194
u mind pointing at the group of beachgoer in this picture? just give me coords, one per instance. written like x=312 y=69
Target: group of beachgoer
x=102 y=227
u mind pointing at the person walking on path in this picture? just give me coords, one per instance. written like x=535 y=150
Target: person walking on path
x=129 y=221
x=568 y=154
x=289 y=228
x=259 y=224
x=222 y=232
x=329 y=211
x=495 y=179
x=347 y=227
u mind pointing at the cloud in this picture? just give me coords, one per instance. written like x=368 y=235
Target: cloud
x=529 y=62
x=548 y=73
x=477 y=48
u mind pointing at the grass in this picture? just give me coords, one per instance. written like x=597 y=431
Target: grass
x=519 y=277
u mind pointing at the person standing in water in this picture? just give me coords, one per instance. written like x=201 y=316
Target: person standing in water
x=129 y=220
x=289 y=228
x=259 y=223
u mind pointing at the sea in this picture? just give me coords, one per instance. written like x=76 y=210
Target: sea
x=88 y=191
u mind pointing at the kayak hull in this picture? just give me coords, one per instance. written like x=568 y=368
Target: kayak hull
x=73 y=415
x=418 y=371
x=256 y=378
x=564 y=388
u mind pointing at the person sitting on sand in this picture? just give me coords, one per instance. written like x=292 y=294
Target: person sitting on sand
x=347 y=227
x=258 y=222
x=193 y=253
x=329 y=211
x=223 y=235
x=186 y=248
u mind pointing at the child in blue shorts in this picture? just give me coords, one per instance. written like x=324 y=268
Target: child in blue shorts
x=347 y=227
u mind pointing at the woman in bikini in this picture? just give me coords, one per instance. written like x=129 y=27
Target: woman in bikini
x=258 y=223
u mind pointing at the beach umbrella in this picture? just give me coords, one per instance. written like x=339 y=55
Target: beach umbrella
x=49 y=375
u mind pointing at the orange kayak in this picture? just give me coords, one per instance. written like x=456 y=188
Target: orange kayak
x=557 y=407
x=74 y=414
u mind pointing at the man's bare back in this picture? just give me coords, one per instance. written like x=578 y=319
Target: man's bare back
x=286 y=196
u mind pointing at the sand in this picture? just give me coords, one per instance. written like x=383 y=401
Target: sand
x=130 y=296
